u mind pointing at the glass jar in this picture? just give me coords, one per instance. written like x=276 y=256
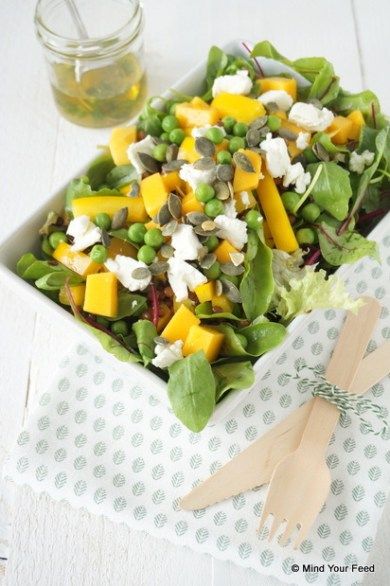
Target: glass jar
x=94 y=53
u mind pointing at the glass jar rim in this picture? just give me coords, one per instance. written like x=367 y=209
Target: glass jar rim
x=91 y=46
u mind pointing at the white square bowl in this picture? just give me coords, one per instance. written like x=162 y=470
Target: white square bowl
x=25 y=239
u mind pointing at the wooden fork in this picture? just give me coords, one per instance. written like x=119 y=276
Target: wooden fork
x=301 y=481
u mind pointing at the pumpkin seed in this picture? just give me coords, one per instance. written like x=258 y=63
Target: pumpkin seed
x=204 y=146
x=167 y=251
x=272 y=107
x=320 y=152
x=225 y=172
x=149 y=163
x=164 y=215
x=196 y=218
x=171 y=153
x=231 y=291
x=228 y=268
x=203 y=251
x=119 y=219
x=105 y=238
x=160 y=341
x=208 y=225
x=218 y=288
x=173 y=165
x=174 y=205
x=140 y=273
x=242 y=161
x=339 y=157
x=222 y=190
x=237 y=258
x=208 y=260
x=287 y=134
x=258 y=122
x=134 y=189
x=158 y=267
x=169 y=228
x=201 y=232
x=264 y=131
x=231 y=190
x=204 y=164
x=253 y=136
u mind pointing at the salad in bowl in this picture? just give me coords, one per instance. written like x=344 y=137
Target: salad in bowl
x=204 y=229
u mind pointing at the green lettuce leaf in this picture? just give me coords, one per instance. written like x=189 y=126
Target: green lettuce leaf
x=325 y=83
x=99 y=169
x=145 y=332
x=129 y=305
x=217 y=61
x=364 y=101
x=111 y=345
x=332 y=191
x=232 y=375
x=339 y=249
x=257 y=284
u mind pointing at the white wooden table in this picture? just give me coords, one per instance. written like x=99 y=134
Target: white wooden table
x=49 y=543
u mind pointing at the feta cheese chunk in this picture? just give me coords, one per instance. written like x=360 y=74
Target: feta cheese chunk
x=185 y=242
x=303 y=140
x=123 y=267
x=276 y=155
x=296 y=175
x=197 y=132
x=229 y=207
x=84 y=233
x=233 y=230
x=309 y=117
x=146 y=146
x=281 y=98
x=183 y=276
x=167 y=355
x=357 y=162
x=195 y=176
x=240 y=83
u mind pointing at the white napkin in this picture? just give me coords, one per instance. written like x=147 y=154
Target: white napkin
x=101 y=441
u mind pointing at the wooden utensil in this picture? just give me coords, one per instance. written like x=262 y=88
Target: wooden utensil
x=254 y=466
x=301 y=481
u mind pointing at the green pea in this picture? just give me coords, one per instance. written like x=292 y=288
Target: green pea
x=306 y=236
x=309 y=155
x=273 y=123
x=172 y=108
x=228 y=123
x=310 y=212
x=213 y=272
x=152 y=126
x=46 y=248
x=164 y=136
x=211 y=243
x=120 y=327
x=224 y=158
x=170 y=123
x=55 y=238
x=243 y=340
x=99 y=253
x=102 y=321
x=232 y=278
x=146 y=254
x=136 y=232
x=204 y=192
x=159 y=151
x=154 y=238
x=236 y=143
x=103 y=221
x=290 y=200
x=215 y=135
x=253 y=219
x=177 y=136
x=214 y=208
x=240 y=129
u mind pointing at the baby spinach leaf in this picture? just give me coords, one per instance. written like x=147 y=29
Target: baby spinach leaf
x=145 y=332
x=365 y=101
x=327 y=143
x=263 y=337
x=46 y=274
x=333 y=190
x=25 y=261
x=111 y=345
x=121 y=175
x=233 y=375
x=266 y=49
x=232 y=345
x=191 y=390
x=129 y=304
x=325 y=84
x=54 y=281
x=257 y=284
x=344 y=248
x=216 y=62
x=221 y=315
x=99 y=169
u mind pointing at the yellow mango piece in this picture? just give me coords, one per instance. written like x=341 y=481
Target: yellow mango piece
x=340 y=129
x=287 y=84
x=154 y=193
x=205 y=292
x=101 y=294
x=79 y=262
x=203 y=338
x=110 y=204
x=358 y=122
x=244 y=200
x=267 y=235
x=165 y=316
x=77 y=292
x=122 y=247
x=172 y=181
x=119 y=142
x=190 y=114
x=197 y=102
x=292 y=148
x=187 y=150
x=223 y=250
x=189 y=203
x=223 y=303
x=151 y=224
x=246 y=180
x=242 y=108
x=276 y=215
x=179 y=325
x=280 y=114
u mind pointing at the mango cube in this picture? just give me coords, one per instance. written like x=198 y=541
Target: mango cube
x=110 y=204
x=358 y=122
x=287 y=84
x=79 y=262
x=189 y=203
x=242 y=108
x=203 y=338
x=205 y=292
x=246 y=180
x=101 y=294
x=119 y=142
x=223 y=303
x=154 y=193
x=180 y=324
x=173 y=181
x=340 y=129
x=191 y=114
x=77 y=292
x=187 y=150
x=122 y=247
x=244 y=200
x=223 y=250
